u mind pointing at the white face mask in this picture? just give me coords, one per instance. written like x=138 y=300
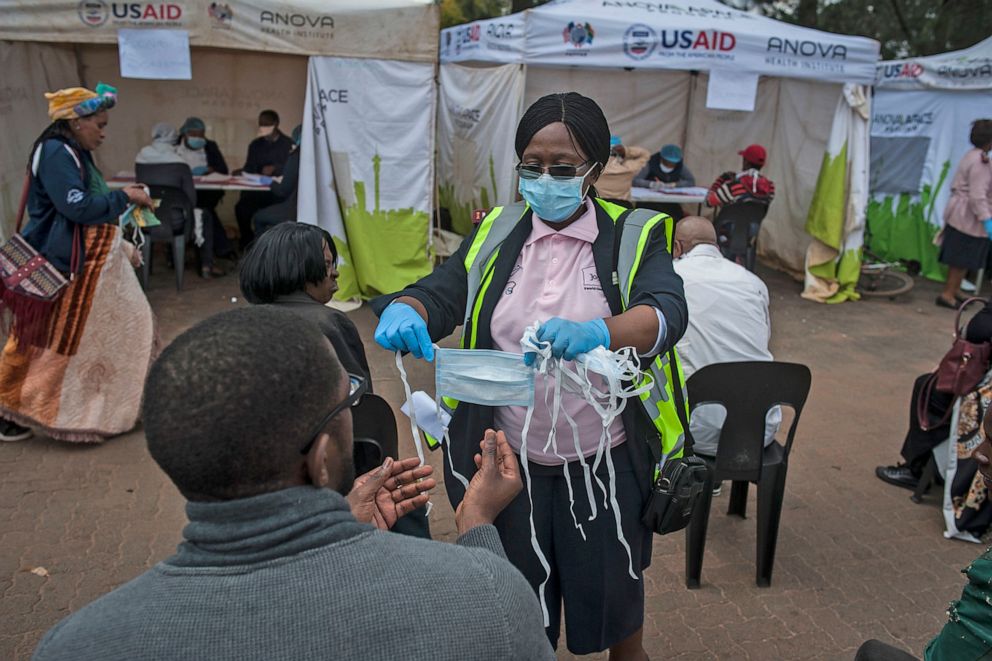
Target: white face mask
x=665 y=168
x=265 y=131
x=484 y=376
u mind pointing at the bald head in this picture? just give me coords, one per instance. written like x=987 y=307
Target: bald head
x=692 y=231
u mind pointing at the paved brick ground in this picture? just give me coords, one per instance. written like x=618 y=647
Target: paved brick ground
x=856 y=559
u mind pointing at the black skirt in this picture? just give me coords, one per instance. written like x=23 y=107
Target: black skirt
x=963 y=250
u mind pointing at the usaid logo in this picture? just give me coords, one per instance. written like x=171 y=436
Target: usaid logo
x=697 y=40
x=907 y=70
x=93 y=12
x=639 y=41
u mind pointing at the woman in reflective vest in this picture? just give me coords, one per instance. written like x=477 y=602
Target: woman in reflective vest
x=555 y=259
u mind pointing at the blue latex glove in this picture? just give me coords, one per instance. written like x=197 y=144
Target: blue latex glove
x=200 y=170
x=988 y=226
x=402 y=329
x=570 y=338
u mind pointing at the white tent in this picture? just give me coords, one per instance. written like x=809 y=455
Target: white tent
x=649 y=65
x=348 y=55
x=923 y=109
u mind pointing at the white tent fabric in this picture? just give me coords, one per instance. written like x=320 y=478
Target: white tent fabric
x=478 y=111
x=646 y=65
x=968 y=69
x=679 y=35
x=919 y=131
x=393 y=29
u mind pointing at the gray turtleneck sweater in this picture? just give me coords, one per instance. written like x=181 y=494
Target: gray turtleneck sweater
x=292 y=575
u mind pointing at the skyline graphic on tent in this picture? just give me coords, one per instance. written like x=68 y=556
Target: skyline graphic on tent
x=903 y=227
x=370 y=234
x=461 y=212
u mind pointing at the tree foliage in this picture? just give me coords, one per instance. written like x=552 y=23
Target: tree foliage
x=456 y=12
x=905 y=28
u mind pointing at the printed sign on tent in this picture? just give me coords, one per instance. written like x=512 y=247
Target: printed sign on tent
x=367 y=168
x=731 y=90
x=154 y=54
x=476 y=124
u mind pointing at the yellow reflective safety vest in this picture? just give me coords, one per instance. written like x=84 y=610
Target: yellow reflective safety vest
x=666 y=401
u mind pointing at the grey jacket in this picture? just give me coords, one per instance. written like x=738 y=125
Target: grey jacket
x=292 y=575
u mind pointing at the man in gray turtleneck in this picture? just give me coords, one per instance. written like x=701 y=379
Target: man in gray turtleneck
x=275 y=562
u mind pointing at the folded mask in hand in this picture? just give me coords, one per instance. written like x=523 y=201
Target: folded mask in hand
x=484 y=376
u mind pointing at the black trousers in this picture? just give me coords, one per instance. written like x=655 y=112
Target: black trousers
x=248 y=205
x=918 y=444
x=874 y=650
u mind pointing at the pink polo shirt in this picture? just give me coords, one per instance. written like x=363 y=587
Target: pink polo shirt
x=555 y=276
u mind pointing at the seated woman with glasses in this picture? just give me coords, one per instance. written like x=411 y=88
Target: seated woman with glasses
x=293 y=266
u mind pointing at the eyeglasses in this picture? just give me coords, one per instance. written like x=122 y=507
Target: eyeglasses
x=556 y=171
x=357 y=386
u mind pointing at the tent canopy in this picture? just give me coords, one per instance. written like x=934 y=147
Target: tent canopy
x=392 y=29
x=968 y=69
x=676 y=34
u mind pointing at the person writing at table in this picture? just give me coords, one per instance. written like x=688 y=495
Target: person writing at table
x=554 y=263
x=666 y=169
x=618 y=176
x=267 y=155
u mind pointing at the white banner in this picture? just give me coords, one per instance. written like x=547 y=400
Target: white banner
x=918 y=137
x=968 y=69
x=477 y=121
x=493 y=40
x=367 y=172
x=675 y=34
x=397 y=29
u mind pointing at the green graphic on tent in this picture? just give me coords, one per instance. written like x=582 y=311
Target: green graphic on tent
x=383 y=250
x=903 y=228
x=461 y=212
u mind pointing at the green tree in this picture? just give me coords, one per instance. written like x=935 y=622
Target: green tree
x=905 y=28
x=456 y=12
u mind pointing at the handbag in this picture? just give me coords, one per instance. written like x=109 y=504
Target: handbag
x=674 y=495
x=959 y=372
x=29 y=284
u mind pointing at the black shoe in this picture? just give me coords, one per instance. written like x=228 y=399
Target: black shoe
x=942 y=303
x=900 y=476
x=11 y=432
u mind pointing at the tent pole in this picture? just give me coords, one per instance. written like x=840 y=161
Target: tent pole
x=80 y=68
x=693 y=81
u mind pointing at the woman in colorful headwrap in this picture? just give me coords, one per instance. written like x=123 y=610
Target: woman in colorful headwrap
x=76 y=372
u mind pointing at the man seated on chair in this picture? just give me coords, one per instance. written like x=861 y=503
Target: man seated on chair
x=748 y=185
x=280 y=560
x=728 y=321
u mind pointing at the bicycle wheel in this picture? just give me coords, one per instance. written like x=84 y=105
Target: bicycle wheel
x=880 y=284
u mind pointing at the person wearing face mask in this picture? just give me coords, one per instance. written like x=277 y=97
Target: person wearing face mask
x=204 y=157
x=554 y=258
x=967 y=229
x=284 y=190
x=267 y=155
x=666 y=169
x=101 y=323
x=618 y=175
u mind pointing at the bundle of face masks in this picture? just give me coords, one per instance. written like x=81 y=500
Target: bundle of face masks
x=498 y=378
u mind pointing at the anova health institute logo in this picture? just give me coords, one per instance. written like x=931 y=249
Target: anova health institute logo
x=639 y=41
x=578 y=34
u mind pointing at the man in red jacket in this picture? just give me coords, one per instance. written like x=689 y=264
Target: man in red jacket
x=748 y=185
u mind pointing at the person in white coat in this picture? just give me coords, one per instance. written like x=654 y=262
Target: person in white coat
x=728 y=321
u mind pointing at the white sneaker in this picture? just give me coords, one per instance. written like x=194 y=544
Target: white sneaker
x=968 y=286
x=11 y=432
x=718 y=489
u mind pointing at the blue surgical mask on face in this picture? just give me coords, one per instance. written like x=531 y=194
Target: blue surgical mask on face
x=484 y=376
x=553 y=200
x=196 y=143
